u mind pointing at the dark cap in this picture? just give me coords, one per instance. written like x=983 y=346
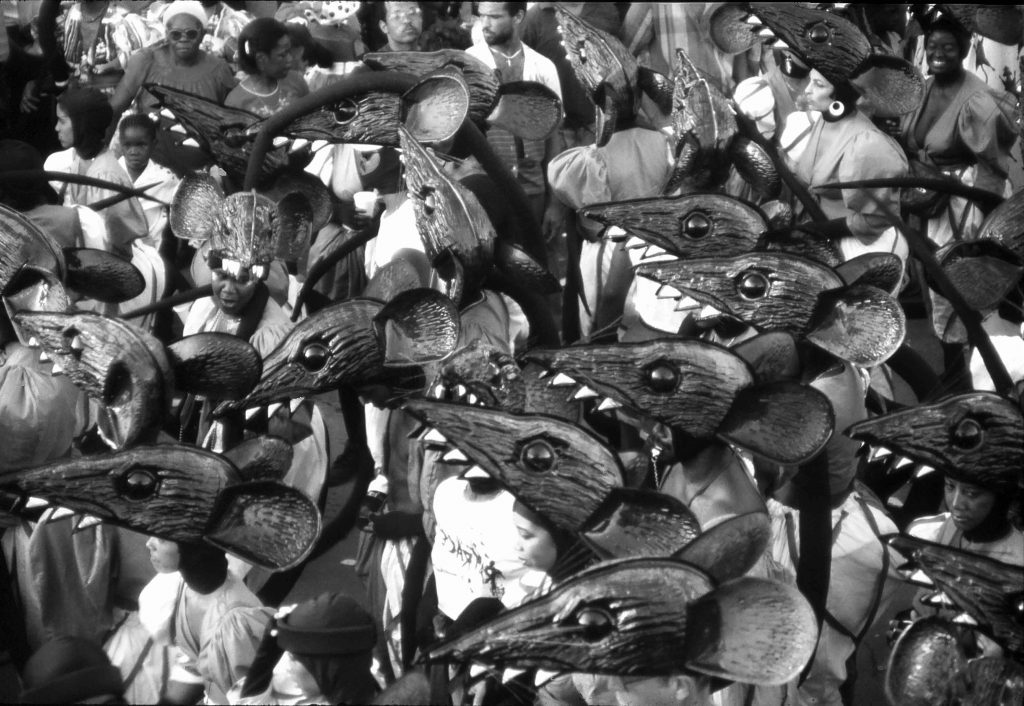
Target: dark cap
x=330 y=624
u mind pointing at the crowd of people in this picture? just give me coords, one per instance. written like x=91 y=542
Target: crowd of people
x=602 y=309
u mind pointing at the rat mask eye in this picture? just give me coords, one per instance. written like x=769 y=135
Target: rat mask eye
x=662 y=377
x=138 y=484
x=314 y=356
x=595 y=622
x=968 y=435
x=538 y=456
x=752 y=285
x=345 y=112
x=695 y=226
x=819 y=33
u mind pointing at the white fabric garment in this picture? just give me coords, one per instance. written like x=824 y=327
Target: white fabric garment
x=156 y=214
x=474 y=552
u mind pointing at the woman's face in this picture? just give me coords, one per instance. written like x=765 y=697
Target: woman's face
x=535 y=546
x=818 y=94
x=943 y=53
x=278 y=62
x=968 y=504
x=65 y=131
x=232 y=294
x=163 y=555
x=184 y=34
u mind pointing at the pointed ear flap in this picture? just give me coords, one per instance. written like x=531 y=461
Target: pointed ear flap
x=892 y=85
x=798 y=241
x=755 y=165
x=657 y=86
x=729 y=549
x=417 y=326
x=640 y=523
x=397 y=276
x=294 y=226
x=435 y=108
x=772 y=356
x=1006 y=224
x=265 y=458
x=730 y=31
x=860 y=324
x=926 y=658
x=983 y=271
x=101 y=275
x=265 y=523
x=521 y=268
x=307 y=185
x=1001 y=23
x=196 y=207
x=748 y=617
x=878 y=269
x=215 y=364
x=607 y=114
x=528 y=109
x=784 y=422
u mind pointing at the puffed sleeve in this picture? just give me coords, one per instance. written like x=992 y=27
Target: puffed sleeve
x=131 y=34
x=986 y=131
x=136 y=72
x=227 y=654
x=871 y=155
x=224 y=80
x=39 y=413
x=579 y=176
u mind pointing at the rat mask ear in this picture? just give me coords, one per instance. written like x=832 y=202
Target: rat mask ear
x=266 y=523
x=196 y=207
x=891 y=85
x=101 y=275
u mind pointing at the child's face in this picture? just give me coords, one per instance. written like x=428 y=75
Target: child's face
x=535 y=546
x=137 y=148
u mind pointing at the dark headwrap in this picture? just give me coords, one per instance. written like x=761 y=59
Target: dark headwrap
x=332 y=636
x=204 y=568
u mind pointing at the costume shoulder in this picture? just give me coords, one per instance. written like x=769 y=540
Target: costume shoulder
x=579 y=176
x=230 y=644
x=877 y=154
x=929 y=527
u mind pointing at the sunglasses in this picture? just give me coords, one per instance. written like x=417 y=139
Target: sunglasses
x=178 y=35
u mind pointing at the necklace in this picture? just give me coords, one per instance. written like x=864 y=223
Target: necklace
x=509 y=57
x=257 y=93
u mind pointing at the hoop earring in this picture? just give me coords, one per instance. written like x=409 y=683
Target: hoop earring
x=836 y=109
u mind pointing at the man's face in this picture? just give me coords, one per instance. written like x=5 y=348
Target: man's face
x=499 y=27
x=278 y=62
x=404 y=23
x=137 y=147
x=184 y=33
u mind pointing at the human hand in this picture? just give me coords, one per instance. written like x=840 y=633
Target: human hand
x=29 y=99
x=553 y=222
